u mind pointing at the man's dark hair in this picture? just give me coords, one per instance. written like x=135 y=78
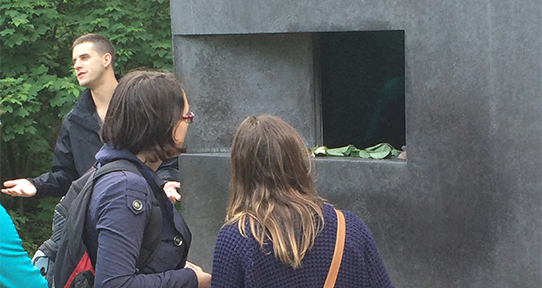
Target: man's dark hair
x=143 y=113
x=100 y=43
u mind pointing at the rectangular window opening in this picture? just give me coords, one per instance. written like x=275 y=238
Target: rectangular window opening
x=362 y=78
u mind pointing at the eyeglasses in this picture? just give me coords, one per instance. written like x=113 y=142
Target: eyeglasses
x=189 y=117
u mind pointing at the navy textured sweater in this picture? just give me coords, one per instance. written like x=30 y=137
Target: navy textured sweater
x=240 y=262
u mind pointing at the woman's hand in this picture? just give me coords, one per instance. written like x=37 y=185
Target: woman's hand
x=204 y=278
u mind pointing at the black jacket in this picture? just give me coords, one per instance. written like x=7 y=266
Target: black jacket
x=75 y=150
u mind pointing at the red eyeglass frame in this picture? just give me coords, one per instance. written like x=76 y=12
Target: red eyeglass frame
x=189 y=117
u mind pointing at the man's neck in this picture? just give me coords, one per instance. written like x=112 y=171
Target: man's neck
x=102 y=93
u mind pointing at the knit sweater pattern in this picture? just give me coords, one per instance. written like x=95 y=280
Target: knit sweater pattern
x=240 y=262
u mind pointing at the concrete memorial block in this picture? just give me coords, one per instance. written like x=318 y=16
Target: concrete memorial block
x=464 y=210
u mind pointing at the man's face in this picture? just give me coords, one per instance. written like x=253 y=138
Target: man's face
x=89 y=65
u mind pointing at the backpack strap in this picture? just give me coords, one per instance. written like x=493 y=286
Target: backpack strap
x=72 y=257
x=117 y=165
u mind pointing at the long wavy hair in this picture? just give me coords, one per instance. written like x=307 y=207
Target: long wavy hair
x=272 y=188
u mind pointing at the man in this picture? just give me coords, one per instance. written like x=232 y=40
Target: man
x=93 y=57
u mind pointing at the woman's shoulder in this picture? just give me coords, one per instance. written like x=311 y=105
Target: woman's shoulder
x=329 y=209
x=121 y=182
x=230 y=242
x=354 y=224
x=230 y=231
x=230 y=235
x=132 y=178
x=118 y=195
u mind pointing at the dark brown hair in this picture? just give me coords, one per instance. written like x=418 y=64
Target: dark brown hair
x=271 y=185
x=100 y=43
x=143 y=113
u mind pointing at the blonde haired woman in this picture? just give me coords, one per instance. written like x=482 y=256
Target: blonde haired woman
x=279 y=232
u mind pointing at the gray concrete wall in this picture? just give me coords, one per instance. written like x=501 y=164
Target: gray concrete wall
x=230 y=77
x=465 y=210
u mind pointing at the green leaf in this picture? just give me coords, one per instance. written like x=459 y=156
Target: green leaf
x=6 y=32
x=381 y=147
x=379 y=155
x=19 y=21
x=15 y=40
x=31 y=129
x=8 y=109
x=395 y=152
x=42 y=69
x=342 y=151
x=361 y=153
x=19 y=129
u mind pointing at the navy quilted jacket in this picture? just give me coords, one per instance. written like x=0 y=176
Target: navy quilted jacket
x=114 y=229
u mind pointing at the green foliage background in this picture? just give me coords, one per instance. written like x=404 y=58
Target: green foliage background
x=38 y=87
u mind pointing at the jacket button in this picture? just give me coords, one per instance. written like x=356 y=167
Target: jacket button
x=178 y=240
x=137 y=205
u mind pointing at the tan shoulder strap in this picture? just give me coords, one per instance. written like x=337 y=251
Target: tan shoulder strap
x=338 y=253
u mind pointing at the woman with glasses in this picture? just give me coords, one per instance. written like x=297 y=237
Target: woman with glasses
x=279 y=232
x=146 y=123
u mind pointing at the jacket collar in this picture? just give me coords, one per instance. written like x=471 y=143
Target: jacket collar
x=108 y=153
x=85 y=113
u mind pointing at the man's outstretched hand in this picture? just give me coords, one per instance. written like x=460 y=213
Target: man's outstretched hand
x=19 y=188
